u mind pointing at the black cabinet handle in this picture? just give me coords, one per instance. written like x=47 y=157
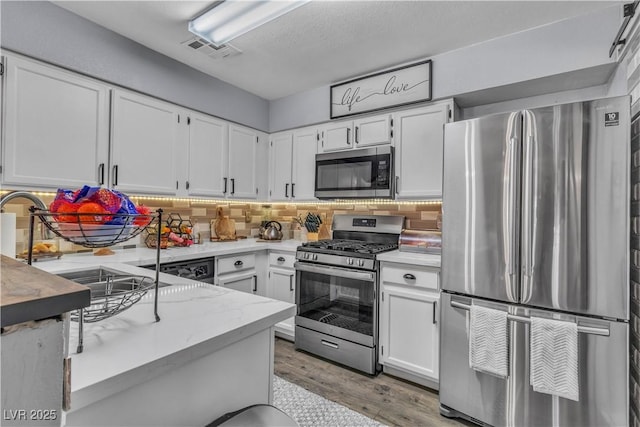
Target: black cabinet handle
x=357 y=142
x=225 y=186
x=291 y=283
x=238 y=263
x=255 y=283
x=101 y=173
x=115 y=175
x=280 y=259
x=286 y=190
x=409 y=277
x=348 y=136
x=293 y=186
x=187 y=185
x=435 y=305
x=233 y=185
x=176 y=184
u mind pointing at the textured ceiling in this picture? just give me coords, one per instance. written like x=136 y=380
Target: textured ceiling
x=327 y=41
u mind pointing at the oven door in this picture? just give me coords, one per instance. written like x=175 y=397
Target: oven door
x=337 y=301
x=363 y=173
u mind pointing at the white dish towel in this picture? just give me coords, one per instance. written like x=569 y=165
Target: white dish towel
x=554 y=357
x=488 y=343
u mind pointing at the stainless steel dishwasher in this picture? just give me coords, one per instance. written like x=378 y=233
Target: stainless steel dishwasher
x=197 y=269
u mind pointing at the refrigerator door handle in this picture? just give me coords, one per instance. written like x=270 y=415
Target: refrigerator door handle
x=527 y=197
x=510 y=188
x=524 y=319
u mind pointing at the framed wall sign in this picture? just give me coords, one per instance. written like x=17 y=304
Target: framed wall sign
x=403 y=85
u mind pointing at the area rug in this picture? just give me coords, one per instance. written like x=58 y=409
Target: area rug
x=311 y=410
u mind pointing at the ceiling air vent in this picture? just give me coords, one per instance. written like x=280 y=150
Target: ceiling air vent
x=212 y=51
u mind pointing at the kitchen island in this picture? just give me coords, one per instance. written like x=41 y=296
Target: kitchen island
x=211 y=352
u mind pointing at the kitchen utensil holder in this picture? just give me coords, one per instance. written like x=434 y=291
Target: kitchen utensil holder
x=108 y=303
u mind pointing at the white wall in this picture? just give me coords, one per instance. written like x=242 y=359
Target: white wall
x=567 y=56
x=52 y=34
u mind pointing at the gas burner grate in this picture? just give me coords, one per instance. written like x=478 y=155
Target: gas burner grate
x=353 y=246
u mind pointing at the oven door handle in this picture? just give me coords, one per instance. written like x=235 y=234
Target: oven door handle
x=335 y=271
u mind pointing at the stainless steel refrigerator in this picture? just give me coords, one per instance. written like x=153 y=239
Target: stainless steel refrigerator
x=536 y=223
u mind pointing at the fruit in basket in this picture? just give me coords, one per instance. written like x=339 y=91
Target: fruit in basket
x=108 y=199
x=94 y=213
x=142 y=221
x=64 y=207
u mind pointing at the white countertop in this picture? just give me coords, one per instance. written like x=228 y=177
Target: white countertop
x=414 y=258
x=196 y=319
x=146 y=256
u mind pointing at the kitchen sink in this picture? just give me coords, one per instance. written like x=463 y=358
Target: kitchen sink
x=112 y=292
x=103 y=280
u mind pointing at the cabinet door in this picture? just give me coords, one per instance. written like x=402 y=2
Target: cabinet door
x=207 y=165
x=409 y=331
x=56 y=127
x=242 y=162
x=247 y=282
x=372 y=131
x=282 y=285
x=303 y=176
x=281 y=166
x=282 y=288
x=419 y=150
x=144 y=144
x=337 y=136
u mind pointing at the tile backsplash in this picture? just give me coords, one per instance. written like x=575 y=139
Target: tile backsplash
x=247 y=216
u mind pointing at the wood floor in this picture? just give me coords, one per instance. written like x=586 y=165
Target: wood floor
x=386 y=399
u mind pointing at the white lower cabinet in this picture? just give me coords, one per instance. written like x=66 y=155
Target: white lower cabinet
x=242 y=272
x=282 y=286
x=409 y=316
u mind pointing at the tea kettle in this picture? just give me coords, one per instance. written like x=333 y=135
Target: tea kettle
x=272 y=231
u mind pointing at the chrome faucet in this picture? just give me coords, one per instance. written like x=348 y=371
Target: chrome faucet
x=5 y=198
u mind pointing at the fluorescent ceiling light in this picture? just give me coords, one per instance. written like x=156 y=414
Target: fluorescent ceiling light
x=232 y=18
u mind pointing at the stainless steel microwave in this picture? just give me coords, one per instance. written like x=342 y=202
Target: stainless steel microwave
x=355 y=174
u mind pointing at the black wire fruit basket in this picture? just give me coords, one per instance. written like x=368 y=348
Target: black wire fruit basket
x=110 y=293
x=94 y=231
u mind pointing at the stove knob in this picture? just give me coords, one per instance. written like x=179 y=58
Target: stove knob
x=361 y=262
x=350 y=261
x=306 y=256
x=315 y=257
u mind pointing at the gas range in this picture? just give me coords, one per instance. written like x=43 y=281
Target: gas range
x=336 y=288
x=344 y=252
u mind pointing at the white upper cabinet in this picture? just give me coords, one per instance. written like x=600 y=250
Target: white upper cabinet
x=293 y=157
x=243 y=143
x=374 y=130
x=362 y=132
x=337 y=136
x=144 y=148
x=419 y=139
x=303 y=171
x=281 y=148
x=207 y=164
x=56 y=127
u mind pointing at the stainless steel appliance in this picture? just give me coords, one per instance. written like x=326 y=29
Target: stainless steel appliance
x=337 y=288
x=197 y=269
x=536 y=224
x=361 y=173
x=634 y=335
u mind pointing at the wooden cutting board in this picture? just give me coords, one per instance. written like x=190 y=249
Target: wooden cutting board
x=225 y=227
